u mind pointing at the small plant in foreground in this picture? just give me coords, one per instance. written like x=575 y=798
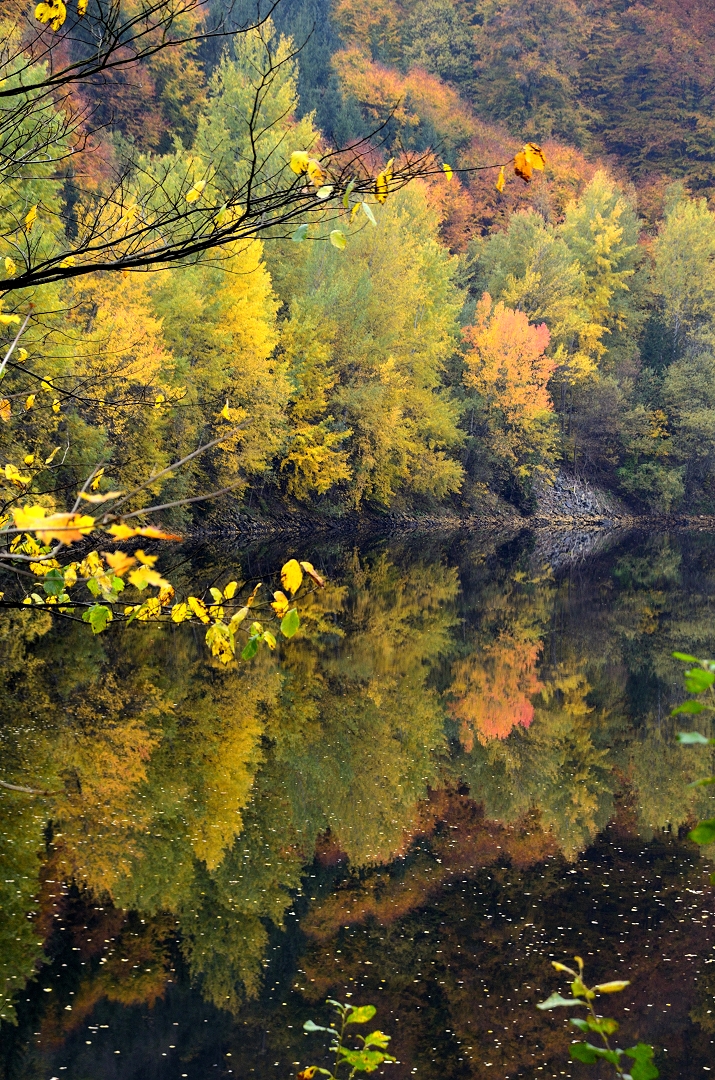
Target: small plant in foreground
x=640 y=1067
x=366 y=1057
x=699 y=681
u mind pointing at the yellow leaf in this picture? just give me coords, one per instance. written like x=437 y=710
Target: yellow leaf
x=534 y=155
x=53 y=455
x=29 y=459
x=30 y=401
x=8 y=320
x=237 y=619
x=280 y=603
x=448 y=171
x=56 y=405
x=147 y=560
x=159 y=401
x=180 y=613
x=46 y=387
x=315 y=173
x=195 y=192
x=291 y=576
x=31 y=215
x=81 y=7
x=119 y=561
x=522 y=167
x=12 y=473
x=612 y=987
x=53 y=12
x=21 y=356
x=225 y=412
x=313 y=573
x=299 y=162
x=96 y=499
x=143 y=576
x=230 y=591
x=10 y=267
x=199 y=609
x=122 y=532
x=5 y=410
x=166 y=595
x=338 y=239
x=501 y=180
x=63 y=527
x=97 y=478
x=69 y=261
x=157 y=534
x=252 y=597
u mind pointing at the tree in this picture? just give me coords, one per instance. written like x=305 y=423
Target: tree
x=508 y=368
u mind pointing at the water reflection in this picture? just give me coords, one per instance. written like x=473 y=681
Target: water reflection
x=462 y=765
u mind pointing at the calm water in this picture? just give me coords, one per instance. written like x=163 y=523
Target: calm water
x=463 y=767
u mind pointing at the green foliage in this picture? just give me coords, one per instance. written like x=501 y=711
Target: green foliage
x=642 y=1054
x=369 y=1054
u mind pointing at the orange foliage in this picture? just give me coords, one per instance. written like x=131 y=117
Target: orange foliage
x=415 y=97
x=493 y=689
x=507 y=362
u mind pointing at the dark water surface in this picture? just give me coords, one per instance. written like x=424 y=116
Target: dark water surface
x=461 y=768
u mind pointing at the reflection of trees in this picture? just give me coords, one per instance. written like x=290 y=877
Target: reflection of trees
x=195 y=795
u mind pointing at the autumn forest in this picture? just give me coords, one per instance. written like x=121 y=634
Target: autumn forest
x=313 y=687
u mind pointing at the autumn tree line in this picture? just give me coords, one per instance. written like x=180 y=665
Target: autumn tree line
x=463 y=345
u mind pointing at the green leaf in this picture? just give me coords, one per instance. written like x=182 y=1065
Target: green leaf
x=693 y=738
x=644 y=1069
x=581 y=1024
x=698 y=681
x=589 y=1053
x=325 y=192
x=300 y=234
x=703 y=783
x=704 y=832
x=347 y=194
x=290 y=623
x=93 y=586
x=250 y=648
x=685 y=657
x=339 y=240
x=310 y=1026
x=361 y=1015
x=604 y=1025
x=97 y=616
x=369 y=214
x=555 y=1000
x=53 y=583
x=377 y=1038
x=691 y=706
x=364 y=1060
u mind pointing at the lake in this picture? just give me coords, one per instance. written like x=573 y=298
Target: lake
x=462 y=768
